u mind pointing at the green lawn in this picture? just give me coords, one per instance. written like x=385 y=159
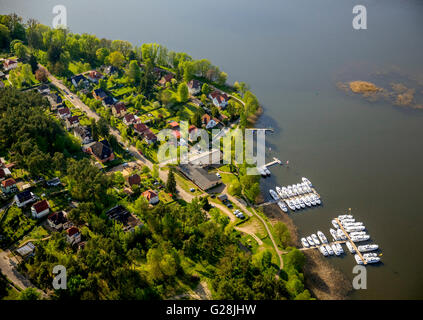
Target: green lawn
x=187 y=184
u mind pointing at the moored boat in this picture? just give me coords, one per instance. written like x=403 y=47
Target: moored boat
x=315 y=239
x=310 y=241
x=368 y=247
x=322 y=237
x=306 y=181
x=335 y=224
x=350 y=247
x=274 y=194
x=282 y=206
x=323 y=251
x=329 y=249
x=334 y=234
x=305 y=243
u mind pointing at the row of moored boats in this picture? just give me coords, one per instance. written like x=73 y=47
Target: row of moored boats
x=296 y=196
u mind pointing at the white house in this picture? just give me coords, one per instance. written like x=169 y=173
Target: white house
x=73 y=235
x=24 y=198
x=10 y=64
x=194 y=87
x=219 y=99
x=40 y=209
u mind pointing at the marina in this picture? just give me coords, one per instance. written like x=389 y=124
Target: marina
x=341 y=235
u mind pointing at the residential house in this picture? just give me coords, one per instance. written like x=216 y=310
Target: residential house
x=194 y=87
x=27 y=250
x=192 y=133
x=79 y=81
x=64 y=113
x=151 y=196
x=122 y=215
x=94 y=76
x=24 y=198
x=10 y=64
x=108 y=101
x=4 y=172
x=149 y=136
x=102 y=151
x=140 y=128
x=99 y=94
x=174 y=125
x=40 y=209
x=109 y=70
x=165 y=79
x=219 y=99
x=119 y=109
x=83 y=133
x=53 y=182
x=134 y=179
x=57 y=220
x=200 y=176
x=8 y=186
x=208 y=121
x=55 y=100
x=73 y=236
x=129 y=119
x=72 y=122
x=44 y=89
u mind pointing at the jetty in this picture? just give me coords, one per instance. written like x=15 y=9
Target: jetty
x=275 y=161
x=352 y=242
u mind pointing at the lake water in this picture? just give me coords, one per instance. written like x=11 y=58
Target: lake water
x=360 y=155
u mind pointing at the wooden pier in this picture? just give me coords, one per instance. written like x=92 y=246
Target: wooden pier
x=275 y=161
x=353 y=244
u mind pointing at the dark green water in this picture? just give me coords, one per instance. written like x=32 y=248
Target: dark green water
x=366 y=156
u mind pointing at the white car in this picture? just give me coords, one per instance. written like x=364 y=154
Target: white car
x=218 y=175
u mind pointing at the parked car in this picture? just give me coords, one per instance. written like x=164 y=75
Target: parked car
x=218 y=175
x=192 y=189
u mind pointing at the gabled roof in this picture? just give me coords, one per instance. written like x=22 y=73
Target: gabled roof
x=9 y=62
x=40 y=206
x=108 y=100
x=101 y=150
x=134 y=179
x=219 y=96
x=140 y=127
x=100 y=93
x=24 y=196
x=72 y=231
x=63 y=111
x=78 y=78
x=119 y=107
x=57 y=217
x=194 y=84
x=174 y=124
x=73 y=119
x=205 y=118
x=149 y=134
x=129 y=118
x=149 y=194
x=8 y=182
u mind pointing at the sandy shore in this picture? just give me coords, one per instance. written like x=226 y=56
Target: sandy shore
x=324 y=281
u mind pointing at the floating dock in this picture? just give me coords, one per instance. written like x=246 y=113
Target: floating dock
x=275 y=161
x=352 y=242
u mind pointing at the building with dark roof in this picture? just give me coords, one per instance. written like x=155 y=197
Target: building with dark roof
x=24 y=198
x=200 y=176
x=102 y=151
x=123 y=216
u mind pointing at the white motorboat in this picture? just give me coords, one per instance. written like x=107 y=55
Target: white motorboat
x=357 y=233
x=267 y=171
x=360 y=238
x=310 y=241
x=302 y=204
x=340 y=249
x=368 y=255
x=358 y=259
x=262 y=172
x=329 y=249
x=323 y=251
x=315 y=239
x=279 y=191
x=322 y=237
x=305 y=243
x=356 y=228
x=294 y=190
x=306 y=181
x=333 y=233
x=368 y=247
x=345 y=216
x=282 y=206
x=372 y=259
x=290 y=205
x=297 y=204
x=335 y=249
x=341 y=235
x=313 y=202
x=347 y=220
x=307 y=202
x=274 y=194
x=350 y=247
x=353 y=224
x=335 y=224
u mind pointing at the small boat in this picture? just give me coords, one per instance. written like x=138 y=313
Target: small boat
x=315 y=239
x=347 y=220
x=341 y=235
x=368 y=255
x=368 y=247
x=313 y=202
x=357 y=233
x=305 y=243
x=306 y=181
x=302 y=204
x=267 y=171
x=323 y=251
x=335 y=224
x=335 y=249
x=352 y=224
x=345 y=216
x=372 y=259
x=307 y=202
x=294 y=190
x=350 y=247
x=333 y=233
x=282 y=206
x=360 y=238
x=358 y=259
x=310 y=241
x=322 y=237
x=356 y=228
x=329 y=249
x=279 y=191
x=262 y=172
x=340 y=249
x=289 y=203
x=297 y=204
x=274 y=194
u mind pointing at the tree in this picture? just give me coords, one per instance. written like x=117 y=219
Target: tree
x=20 y=50
x=196 y=119
x=33 y=63
x=116 y=59
x=155 y=172
x=134 y=72
x=41 y=75
x=282 y=233
x=222 y=78
x=183 y=93
x=29 y=294
x=103 y=127
x=102 y=54
x=171 y=182
x=205 y=89
x=4 y=36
